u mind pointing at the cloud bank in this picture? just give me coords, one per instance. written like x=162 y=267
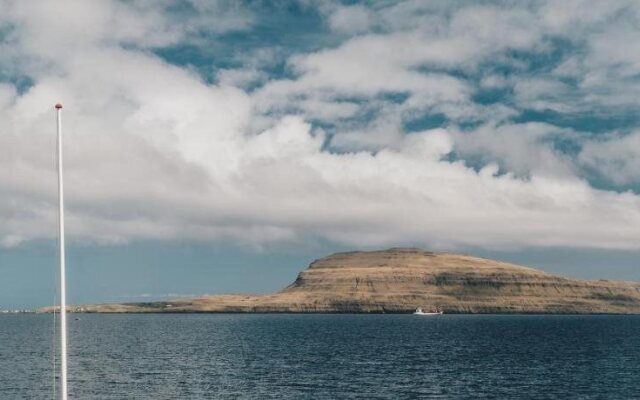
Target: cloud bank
x=440 y=124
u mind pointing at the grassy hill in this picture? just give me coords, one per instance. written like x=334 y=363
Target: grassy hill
x=400 y=280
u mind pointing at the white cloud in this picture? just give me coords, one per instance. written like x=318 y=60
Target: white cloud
x=542 y=94
x=7 y=95
x=351 y=19
x=524 y=149
x=381 y=132
x=155 y=152
x=616 y=157
x=373 y=64
x=241 y=77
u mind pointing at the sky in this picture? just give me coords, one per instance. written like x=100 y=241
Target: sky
x=220 y=146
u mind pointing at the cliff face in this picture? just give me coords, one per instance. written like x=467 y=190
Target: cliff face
x=400 y=280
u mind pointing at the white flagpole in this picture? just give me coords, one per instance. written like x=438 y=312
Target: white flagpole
x=63 y=284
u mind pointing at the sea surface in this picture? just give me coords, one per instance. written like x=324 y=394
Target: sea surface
x=230 y=356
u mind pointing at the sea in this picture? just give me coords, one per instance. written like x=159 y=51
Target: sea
x=314 y=356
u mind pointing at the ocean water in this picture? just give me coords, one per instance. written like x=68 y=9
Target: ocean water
x=227 y=356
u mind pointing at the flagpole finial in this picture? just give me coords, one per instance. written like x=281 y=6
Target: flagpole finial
x=58 y=106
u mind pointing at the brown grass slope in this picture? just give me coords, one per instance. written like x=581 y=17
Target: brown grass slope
x=399 y=280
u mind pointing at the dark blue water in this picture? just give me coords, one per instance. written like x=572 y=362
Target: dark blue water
x=206 y=356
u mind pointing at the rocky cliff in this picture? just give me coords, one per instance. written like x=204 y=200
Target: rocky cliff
x=399 y=280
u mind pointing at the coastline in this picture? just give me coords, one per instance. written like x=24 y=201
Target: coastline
x=399 y=280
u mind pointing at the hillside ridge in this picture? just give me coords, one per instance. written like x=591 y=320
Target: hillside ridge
x=398 y=280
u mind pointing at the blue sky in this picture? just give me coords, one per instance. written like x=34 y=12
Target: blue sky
x=216 y=146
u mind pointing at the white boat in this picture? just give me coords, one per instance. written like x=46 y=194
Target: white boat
x=419 y=311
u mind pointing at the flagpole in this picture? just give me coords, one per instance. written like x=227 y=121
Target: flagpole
x=63 y=283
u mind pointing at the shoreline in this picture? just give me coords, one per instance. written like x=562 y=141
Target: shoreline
x=323 y=313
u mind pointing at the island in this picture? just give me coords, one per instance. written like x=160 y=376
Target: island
x=399 y=280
